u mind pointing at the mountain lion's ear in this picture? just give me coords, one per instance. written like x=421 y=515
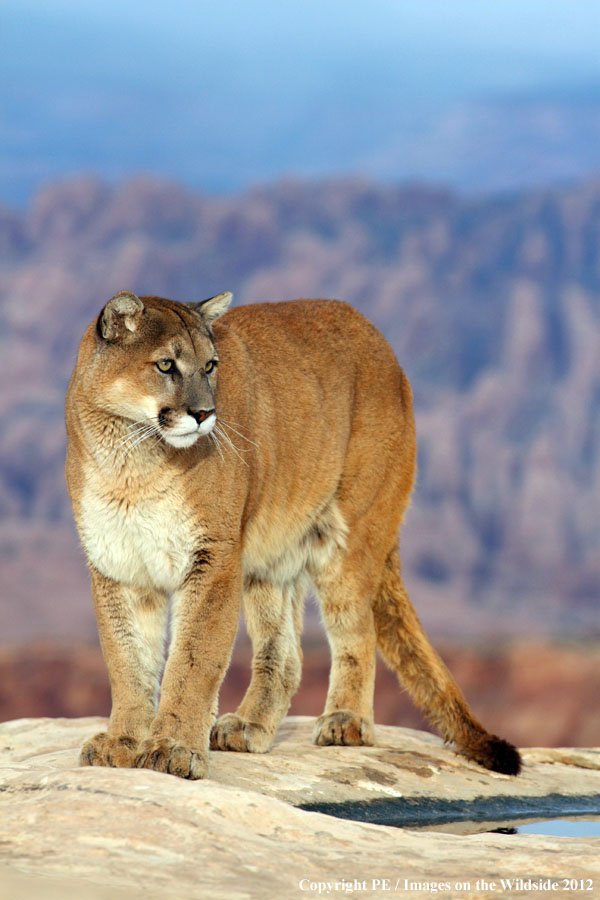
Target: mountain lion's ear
x=213 y=308
x=121 y=315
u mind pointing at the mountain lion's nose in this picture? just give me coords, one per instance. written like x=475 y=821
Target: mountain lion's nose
x=200 y=414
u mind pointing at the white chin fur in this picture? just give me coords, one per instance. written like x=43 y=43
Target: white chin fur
x=181 y=440
x=187 y=431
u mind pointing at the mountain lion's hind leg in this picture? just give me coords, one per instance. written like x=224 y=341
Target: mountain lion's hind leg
x=348 y=617
x=273 y=617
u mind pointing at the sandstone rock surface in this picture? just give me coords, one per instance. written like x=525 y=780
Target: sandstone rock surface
x=71 y=831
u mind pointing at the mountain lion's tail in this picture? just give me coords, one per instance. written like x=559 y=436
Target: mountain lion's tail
x=406 y=649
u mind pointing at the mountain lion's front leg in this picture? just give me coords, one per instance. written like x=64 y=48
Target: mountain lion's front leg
x=205 y=618
x=131 y=625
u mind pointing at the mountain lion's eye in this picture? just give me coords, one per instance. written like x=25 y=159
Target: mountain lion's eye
x=210 y=365
x=165 y=366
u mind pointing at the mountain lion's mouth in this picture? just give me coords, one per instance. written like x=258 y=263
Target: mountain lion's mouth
x=187 y=430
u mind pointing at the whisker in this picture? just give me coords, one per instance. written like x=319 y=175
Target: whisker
x=232 y=422
x=219 y=446
x=215 y=441
x=133 y=446
x=228 y=441
x=132 y=434
x=142 y=426
x=243 y=436
x=157 y=440
x=140 y=440
x=133 y=439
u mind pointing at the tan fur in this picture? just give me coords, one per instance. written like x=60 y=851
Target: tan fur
x=302 y=474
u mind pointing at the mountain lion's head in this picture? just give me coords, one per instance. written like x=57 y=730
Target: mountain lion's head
x=156 y=363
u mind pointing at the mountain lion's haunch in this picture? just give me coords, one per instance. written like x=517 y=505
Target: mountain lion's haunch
x=227 y=461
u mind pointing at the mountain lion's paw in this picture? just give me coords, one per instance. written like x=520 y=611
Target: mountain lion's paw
x=167 y=755
x=343 y=727
x=118 y=750
x=231 y=732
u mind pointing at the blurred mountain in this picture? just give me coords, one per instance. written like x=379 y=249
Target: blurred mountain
x=492 y=305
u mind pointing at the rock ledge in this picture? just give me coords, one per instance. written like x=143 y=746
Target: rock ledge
x=92 y=833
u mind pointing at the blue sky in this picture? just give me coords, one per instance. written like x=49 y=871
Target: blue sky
x=225 y=93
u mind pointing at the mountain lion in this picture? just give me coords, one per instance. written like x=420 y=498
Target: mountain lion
x=226 y=461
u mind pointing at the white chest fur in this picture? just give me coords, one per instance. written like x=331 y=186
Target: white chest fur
x=149 y=544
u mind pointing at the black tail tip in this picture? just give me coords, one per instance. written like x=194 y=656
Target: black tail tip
x=500 y=756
